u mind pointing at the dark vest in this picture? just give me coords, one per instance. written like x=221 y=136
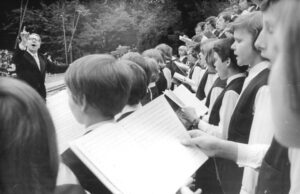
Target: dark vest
x=218 y=83
x=274 y=174
x=238 y=131
x=193 y=69
x=175 y=69
x=161 y=83
x=241 y=120
x=200 y=94
x=86 y=178
x=206 y=177
x=235 y=85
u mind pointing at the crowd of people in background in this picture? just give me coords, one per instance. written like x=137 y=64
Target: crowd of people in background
x=242 y=64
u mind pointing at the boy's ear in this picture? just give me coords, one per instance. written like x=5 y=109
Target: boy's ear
x=84 y=105
x=228 y=61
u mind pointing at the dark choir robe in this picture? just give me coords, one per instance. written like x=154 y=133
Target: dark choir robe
x=175 y=69
x=86 y=178
x=216 y=32
x=239 y=131
x=274 y=174
x=200 y=94
x=222 y=35
x=193 y=69
x=161 y=84
x=206 y=176
x=218 y=83
x=27 y=69
x=184 y=60
x=152 y=93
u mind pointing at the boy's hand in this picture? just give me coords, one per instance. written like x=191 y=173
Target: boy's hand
x=186 y=188
x=209 y=144
x=189 y=114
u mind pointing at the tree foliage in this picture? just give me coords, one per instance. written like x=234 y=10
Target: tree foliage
x=94 y=26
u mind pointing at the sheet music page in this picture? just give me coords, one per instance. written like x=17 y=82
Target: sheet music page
x=143 y=152
x=190 y=99
x=174 y=98
x=66 y=126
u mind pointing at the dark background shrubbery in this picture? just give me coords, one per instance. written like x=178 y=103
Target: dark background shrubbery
x=101 y=26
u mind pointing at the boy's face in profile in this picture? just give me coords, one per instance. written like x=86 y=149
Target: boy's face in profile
x=266 y=40
x=221 y=24
x=243 y=47
x=181 y=52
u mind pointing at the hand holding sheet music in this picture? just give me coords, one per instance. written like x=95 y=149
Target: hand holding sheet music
x=142 y=153
x=184 y=98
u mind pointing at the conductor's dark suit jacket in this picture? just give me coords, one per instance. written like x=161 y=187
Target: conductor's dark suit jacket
x=28 y=71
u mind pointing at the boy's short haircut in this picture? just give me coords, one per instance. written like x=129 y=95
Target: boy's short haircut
x=200 y=25
x=101 y=80
x=166 y=51
x=251 y=22
x=210 y=59
x=266 y=4
x=138 y=84
x=183 y=48
x=155 y=54
x=226 y=16
x=212 y=21
x=154 y=68
x=223 y=48
x=139 y=60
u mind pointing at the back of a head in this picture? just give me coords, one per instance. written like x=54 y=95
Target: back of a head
x=102 y=81
x=226 y=16
x=28 y=151
x=139 y=60
x=154 y=67
x=212 y=21
x=223 y=48
x=200 y=25
x=165 y=50
x=138 y=83
x=154 y=54
x=251 y=22
x=183 y=48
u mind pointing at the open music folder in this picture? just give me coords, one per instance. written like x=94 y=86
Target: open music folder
x=142 y=153
x=183 y=97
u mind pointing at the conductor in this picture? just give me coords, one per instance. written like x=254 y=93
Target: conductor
x=31 y=66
